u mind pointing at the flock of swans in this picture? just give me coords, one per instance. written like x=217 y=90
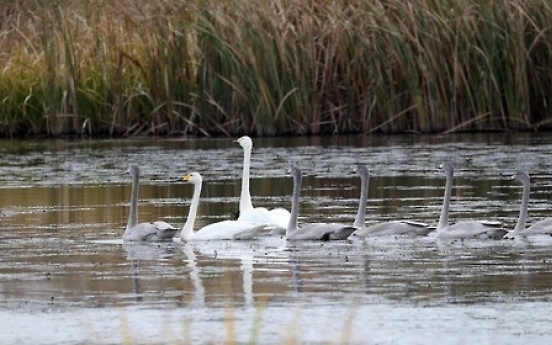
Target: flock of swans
x=253 y=220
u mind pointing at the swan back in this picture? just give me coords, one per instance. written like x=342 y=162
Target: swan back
x=543 y=226
x=156 y=231
x=473 y=229
x=395 y=228
x=323 y=232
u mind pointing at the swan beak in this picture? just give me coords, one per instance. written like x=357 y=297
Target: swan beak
x=236 y=140
x=184 y=178
x=508 y=177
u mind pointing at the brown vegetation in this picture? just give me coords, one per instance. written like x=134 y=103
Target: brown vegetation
x=285 y=67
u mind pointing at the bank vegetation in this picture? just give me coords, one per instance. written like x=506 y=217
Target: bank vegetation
x=282 y=67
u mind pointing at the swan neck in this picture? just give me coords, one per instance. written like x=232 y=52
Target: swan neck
x=245 y=197
x=444 y=218
x=292 y=225
x=188 y=228
x=133 y=214
x=524 y=206
x=360 y=220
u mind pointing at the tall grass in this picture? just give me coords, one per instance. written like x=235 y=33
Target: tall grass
x=206 y=67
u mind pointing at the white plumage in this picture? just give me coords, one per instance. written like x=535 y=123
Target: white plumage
x=225 y=230
x=277 y=218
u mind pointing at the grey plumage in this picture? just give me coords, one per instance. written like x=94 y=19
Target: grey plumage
x=152 y=232
x=312 y=231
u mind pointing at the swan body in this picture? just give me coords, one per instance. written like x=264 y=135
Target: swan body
x=312 y=231
x=543 y=226
x=277 y=218
x=539 y=228
x=392 y=228
x=465 y=229
x=156 y=231
x=225 y=230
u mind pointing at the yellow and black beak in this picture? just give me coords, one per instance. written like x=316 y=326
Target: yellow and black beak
x=184 y=178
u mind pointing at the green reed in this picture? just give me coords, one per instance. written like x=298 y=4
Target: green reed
x=282 y=67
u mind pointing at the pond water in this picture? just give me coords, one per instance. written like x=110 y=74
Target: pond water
x=67 y=278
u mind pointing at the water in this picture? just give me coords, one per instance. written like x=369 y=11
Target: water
x=67 y=278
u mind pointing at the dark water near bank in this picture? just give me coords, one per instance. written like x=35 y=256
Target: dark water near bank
x=66 y=278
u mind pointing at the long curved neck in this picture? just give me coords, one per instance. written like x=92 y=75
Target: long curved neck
x=245 y=197
x=524 y=206
x=133 y=215
x=292 y=225
x=188 y=228
x=444 y=218
x=360 y=220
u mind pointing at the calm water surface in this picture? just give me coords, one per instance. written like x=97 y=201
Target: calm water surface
x=67 y=278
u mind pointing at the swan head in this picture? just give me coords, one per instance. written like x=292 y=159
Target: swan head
x=133 y=170
x=193 y=178
x=362 y=170
x=245 y=142
x=520 y=176
x=295 y=171
x=447 y=167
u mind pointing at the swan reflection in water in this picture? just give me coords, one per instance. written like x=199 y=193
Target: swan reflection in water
x=472 y=269
x=211 y=253
x=191 y=263
x=137 y=252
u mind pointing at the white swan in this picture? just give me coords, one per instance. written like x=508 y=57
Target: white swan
x=225 y=230
x=465 y=229
x=541 y=227
x=156 y=231
x=278 y=217
x=392 y=228
x=312 y=231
